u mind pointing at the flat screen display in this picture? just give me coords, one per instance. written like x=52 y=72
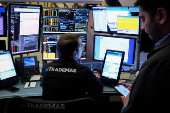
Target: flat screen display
x=63 y=20
x=24 y=28
x=50 y=43
x=113 y=62
x=116 y=20
x=7 y=70
x=102 y=43
x=3 y=22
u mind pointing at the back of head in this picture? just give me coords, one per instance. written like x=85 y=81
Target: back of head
x=151 y=6
x=67 y=44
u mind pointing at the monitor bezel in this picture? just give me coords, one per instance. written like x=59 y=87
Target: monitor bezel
x=5 y=23
x=9 y=28
x=67 y=32
x=115 y=37
x=12 y=80
x=116 y=33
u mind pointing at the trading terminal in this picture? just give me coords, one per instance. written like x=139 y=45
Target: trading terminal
x=33 y=28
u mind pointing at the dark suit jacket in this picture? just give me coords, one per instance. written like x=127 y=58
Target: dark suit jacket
x=150 y=91
x=65 y=79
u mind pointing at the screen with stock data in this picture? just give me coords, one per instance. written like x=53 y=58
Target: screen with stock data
x=116 y=20
x=102 y=43
x=24 y=25
x=7 y=70
x=62 y=20
x=50 y=42
x=3 y=22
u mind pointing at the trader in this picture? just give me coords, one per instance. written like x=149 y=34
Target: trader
x=65 y=78
x=150 y=91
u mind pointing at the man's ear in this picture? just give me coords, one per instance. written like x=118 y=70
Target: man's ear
x=74 y=53
x=162 y=15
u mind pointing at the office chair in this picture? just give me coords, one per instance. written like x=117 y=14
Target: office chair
x=26 y=105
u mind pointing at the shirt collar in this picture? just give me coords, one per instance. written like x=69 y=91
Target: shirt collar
x=161 y=40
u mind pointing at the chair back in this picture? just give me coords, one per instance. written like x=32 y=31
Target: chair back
x=26 y=105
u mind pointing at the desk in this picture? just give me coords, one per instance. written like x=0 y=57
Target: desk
x=108 y=95
x=37 y=91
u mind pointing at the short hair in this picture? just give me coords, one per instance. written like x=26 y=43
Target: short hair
x=151 y=6
x=67 y=44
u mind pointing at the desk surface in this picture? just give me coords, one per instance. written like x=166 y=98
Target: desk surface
x=37 y=91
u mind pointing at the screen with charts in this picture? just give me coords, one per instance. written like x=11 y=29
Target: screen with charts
x=7 y=70
x=3 y=22
x=62 y=20
x=24 y=25
x=102 y=43
x=50 y=42
x=116 y=20
x=112 y=64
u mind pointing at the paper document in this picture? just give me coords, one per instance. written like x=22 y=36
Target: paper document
x=35 y=77
x=30 y=84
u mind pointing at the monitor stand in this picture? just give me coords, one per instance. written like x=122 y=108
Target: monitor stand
x=12 y=89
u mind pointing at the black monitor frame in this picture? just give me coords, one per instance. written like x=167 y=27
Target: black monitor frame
x=110 y=81
x=67 y=32
x=118 y=33
x=5 y=23
x=118 y=50
x=9 y=27
x=9 y=81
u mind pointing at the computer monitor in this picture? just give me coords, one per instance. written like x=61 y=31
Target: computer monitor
x=112 y=67
x=126 y=44
x=63 y=20
x=8 y=74
x=50 y=42
x=3 y=21
x=24 y=28
x=116 y=20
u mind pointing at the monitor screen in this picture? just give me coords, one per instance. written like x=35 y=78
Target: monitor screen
x=102 y=43
x=116 y=20
x=62 y=20
x=3 y=22
x=49 y=46
x=7 y=70
x=24 y=28
x=112 y=64
x=29 y=61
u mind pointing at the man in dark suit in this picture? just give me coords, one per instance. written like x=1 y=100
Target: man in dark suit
x=150 y=91
x=66 y=79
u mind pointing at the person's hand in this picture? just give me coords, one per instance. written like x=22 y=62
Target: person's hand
x=97 y=75
x=125 y=100
x=129 y=86
x=79 y=61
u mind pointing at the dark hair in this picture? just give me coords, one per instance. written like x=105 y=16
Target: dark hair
x=151 y=6
x=67 y=44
